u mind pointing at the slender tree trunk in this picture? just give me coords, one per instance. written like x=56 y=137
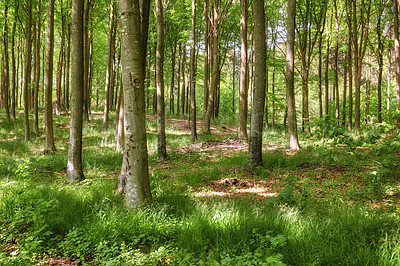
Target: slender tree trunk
x=327 y=73
x=397 y=55
x=336 y=92
x=119 y=135
x=178 y=93
x=389 y=77
x=37 y=71
x=86 y=54
x=172 y=89
x=368 y=92
x=49 y=141
x=350 y=69
x=74 y=167
x=162 y=146
x=321 y=111
x=244 y=72
x=132 y=59
x=110 y=63
x=206 y=55
x=214 y=65
x=183 y=83
x=6 y=69
x=67 y=73
x=345 y=70
x=27 y=70
x=380 y=63
x=193 y=73
x=257 y=110
x=290 y=95
x=14 y=70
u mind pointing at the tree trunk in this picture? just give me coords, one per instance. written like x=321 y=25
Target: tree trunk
x=6 y=70
x=244 y=72
x=14 y=70
x=27 y=70
x=327 y=73
x=206 y=55
x=172 y=90
x=290 y=95
x=193 y=73
x=214 y=66
x=74 y=167
x=49 y=141
x=110 y=63
x=178 y=93
x=162 y=146
x=389 y=78
x=397 y=55
x=257 y=110
x=183 y=83
x=132 y=59
x=37 y=72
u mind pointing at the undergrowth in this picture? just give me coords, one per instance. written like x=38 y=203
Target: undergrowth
x=335 y=203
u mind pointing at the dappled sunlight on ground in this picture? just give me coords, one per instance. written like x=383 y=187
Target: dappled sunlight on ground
x=232 y=187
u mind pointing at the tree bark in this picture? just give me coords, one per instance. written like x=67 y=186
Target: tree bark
x=136 y=161
x=6 y=69
x=206 y=55
x=37 y=71
x=397 y=55
x=244 y=72
x=193 y=73
x=290 y=95
x=27 y=70
x=110 y=63
x=257 y=110
x=162 y=146
x=214 y=65
x=74 y=167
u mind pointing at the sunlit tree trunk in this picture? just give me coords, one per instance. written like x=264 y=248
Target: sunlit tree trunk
x=257 y=110
x=110 y=63
x=49 y=141
x=214 y=65
x=244 y=71
x=37 y=71
x=397 y=55
x=389 y=78
x=162 y=146
x=6 y=70
x=206 y=55
x=132 y=59
x=290 y=95
x=14 y=69
x=74 y=167
x=192 y=73
x=27 y=70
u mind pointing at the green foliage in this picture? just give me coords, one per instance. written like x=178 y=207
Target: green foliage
x=294 y=192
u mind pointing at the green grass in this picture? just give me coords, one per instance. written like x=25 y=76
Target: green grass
x=336 y=204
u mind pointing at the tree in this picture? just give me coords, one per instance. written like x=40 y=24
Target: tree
x=244 y=71
x=193 y=72
x=132 y=29
x=290 y=98
x=257 y=110
x=49 y=137
x=6 y=69
x=27 y=67
x=110 y=64
x=162 y=146
x=74 y=167
x=397 y=54
x=37 y=70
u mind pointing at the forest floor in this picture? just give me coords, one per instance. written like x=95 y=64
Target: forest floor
x=209 y=205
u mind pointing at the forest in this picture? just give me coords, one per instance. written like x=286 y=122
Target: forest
x=200 y=132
